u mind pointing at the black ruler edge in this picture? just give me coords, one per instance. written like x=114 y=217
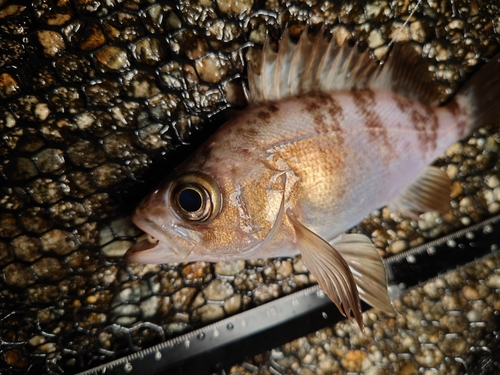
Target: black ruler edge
x=212 y=347
x=228 y=341
x=436 y=258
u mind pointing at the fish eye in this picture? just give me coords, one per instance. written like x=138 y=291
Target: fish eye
x=195 y=197
x=190 y=200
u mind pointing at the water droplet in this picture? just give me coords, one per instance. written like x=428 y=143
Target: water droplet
x=411 y=259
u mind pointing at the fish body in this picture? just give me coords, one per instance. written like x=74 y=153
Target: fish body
x=307 y=161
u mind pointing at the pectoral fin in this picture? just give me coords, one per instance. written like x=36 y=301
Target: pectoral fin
x=367 y=268
x=330 y=269
x=429 y=192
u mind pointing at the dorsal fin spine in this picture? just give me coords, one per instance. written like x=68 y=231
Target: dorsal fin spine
x=312 y=65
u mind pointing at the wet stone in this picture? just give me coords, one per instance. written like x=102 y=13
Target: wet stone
x=122 y=27
x=235 y=9
x=108 y=174
x=8 y=85
x=148 y=51
x=453 y=302
x=51 y=41
x=475 y=292
x=13 y=198
x=454 y=345
x=30 y=108
x=151 y=137
x=46 y=191
x=267 y=292
x=197 y=273
x=120 y=145
x=57 y=16
x=74 y=69
x=60 y=131
x=435 y=289
x=103 y=92
x=86 y=154
x=18 y=275
x=140 y=84
x=27 y=248
x=21 y=169
x=112 y=59
x=126 y=114
x=493 y=281
x=9 y=226
x=233 y=304
x=80 y=184
x=69 y=213
x=85 y=36
x=24 y=140
x=50 y=161
x=248 y=280
x=49 y=269
x=67 y=100
x=234 y=94
x=181 y=300
x=454 y=323
x=229 y=268
x=193 y=46
x=126 y=314
x=213 y=68
x=6 y=253
x=353 y=360
x=210 y=313
x=172 y=75
x=59 y=241
x=429 y=356
x=218 y=290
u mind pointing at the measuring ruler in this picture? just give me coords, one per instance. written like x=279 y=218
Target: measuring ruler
x=216 y=346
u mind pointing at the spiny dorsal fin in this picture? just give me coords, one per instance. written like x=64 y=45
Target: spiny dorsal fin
x=316 y=65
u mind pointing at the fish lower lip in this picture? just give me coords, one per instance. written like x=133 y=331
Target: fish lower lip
x=141 y=246
x=152 y=229
x=147 y=226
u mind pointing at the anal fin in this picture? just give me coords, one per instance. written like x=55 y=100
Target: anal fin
x=330 y=269
x=429 y=192
x=367 y=268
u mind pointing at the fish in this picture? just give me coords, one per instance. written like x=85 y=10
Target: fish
x=329 y=135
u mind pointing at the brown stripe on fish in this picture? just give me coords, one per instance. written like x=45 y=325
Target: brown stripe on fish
x=364 y=100
x=426 y=124
x=460 y=115
x=266 y=111
x=326 y=112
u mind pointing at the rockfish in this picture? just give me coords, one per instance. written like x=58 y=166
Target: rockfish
x=329 y=136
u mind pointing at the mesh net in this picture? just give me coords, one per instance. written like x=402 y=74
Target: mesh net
x=99 y=99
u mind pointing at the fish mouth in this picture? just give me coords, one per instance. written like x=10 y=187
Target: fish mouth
x=160 y=246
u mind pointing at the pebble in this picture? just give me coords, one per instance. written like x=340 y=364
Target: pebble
x=229 y=268
x=218 y=290
x=210 y=313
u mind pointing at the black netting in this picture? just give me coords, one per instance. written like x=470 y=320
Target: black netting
x=99 y=99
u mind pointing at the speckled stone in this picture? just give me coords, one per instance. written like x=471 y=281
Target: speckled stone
x=209 y=313
x=218 y=290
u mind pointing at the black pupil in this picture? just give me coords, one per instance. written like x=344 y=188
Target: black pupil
x=190 y=200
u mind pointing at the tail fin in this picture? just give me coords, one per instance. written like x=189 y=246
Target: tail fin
x=480 y=96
